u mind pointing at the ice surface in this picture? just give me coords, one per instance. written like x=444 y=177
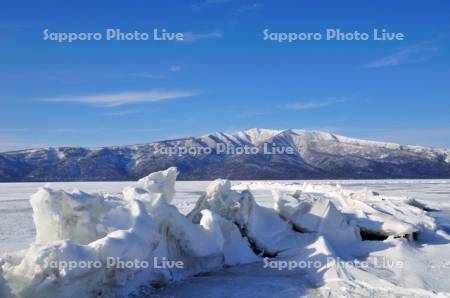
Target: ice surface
x=230 y=225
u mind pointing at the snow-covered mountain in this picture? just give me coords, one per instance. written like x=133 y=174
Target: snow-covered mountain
x=250 y=154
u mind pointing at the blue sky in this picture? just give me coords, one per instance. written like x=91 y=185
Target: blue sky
x=225 y=76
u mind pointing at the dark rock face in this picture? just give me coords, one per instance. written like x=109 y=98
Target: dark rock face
x=315 y=155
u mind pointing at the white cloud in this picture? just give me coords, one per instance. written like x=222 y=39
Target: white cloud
x=315 y=104
x=250 y=7
x=117 y=99
x=190 y=36
x=73 y=130
x=139 y=130
x=123 y=112
x=13 y=129
x=415 y=53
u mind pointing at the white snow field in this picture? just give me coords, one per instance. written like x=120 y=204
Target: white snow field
x=383 y=238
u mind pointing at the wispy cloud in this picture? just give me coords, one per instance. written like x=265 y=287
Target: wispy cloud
x=139 y=130
x=12 y=26
x=146 y=75
x=206 y=3
x=191 y=37
x=250 y=7
x=315 y=104
x=73 y=130
x=122 y=98
x=123 y=113
x=415 y=53
x=14 y=129
x=175 y=68
x=107 y=74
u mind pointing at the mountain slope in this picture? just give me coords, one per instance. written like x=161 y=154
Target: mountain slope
x=314 y=155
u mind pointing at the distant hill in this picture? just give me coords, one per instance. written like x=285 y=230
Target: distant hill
x=312 y=155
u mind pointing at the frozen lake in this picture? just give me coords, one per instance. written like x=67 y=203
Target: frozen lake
x=424 y=273
x=17 y=228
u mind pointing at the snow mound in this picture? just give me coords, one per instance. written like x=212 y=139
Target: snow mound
x=235 y=248
x=381 y=215
x=84 y=241
x=162 y=182
x=35 y=276
x=318 y=215
x=267 y=232
x=374 y=214
x=62 y=215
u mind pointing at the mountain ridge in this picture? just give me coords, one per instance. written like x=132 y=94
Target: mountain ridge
x=317 y=155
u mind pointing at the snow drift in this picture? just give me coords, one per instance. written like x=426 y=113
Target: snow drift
x=227 y=227
x=267 y=232
x=318 y=215
x=79 y=228
x=374 y=214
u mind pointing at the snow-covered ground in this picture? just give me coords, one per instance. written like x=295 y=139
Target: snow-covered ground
x=304 y=224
